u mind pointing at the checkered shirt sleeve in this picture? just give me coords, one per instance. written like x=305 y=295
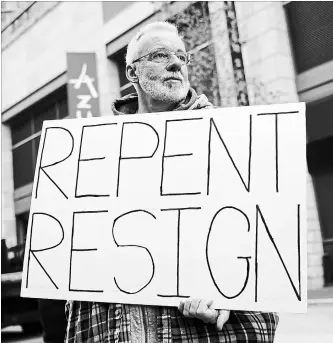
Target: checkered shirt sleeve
x=91 y=322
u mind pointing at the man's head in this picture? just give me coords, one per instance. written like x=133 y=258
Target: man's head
x=156 y=63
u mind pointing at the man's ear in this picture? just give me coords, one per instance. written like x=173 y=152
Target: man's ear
x=131 y=73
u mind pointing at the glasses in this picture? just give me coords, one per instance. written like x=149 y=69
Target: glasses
x=164 y=56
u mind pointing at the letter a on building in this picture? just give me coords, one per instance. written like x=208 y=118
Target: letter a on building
x=83 y=94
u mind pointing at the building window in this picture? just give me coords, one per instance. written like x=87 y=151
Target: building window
x=22 y=227
x=311 y=31
x=319 y=122
x=126 y=87
x=26 y=130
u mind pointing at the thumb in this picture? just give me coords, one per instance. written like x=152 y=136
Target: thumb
x=222 y=318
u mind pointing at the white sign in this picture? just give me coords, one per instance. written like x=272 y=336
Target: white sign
x=154 y=208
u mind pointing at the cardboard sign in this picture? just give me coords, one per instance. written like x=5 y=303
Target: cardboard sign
x=154 y=208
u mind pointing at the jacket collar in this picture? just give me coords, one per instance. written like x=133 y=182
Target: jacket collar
x=129 y=103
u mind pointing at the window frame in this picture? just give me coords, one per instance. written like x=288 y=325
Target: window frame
x=55 y=100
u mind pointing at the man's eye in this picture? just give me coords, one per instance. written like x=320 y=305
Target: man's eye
x=160 y=55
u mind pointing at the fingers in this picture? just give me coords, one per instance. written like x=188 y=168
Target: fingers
x=203 y=310
x=181 y=306
x=194 y=307
x=199 y=308
x=223 y=316
x=191 y=307
x=206 y=312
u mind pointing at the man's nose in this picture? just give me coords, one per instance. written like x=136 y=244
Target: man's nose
x=174 y=64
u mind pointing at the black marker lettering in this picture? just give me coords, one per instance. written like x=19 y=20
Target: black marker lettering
x=173 y=156
x=88 y=160
x=246 y=185
x=133 y=246
x=297 y=292
x=276 y=144
x=239 y=257
x=80 y=250
x=33 y=251
x=178 y=241
x=40 y=168
x=121 y=157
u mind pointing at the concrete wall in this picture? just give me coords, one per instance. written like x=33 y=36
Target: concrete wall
x=39 y=54
x=222 y=54
x=266 y=52
x=271 y=76
x=8 y=222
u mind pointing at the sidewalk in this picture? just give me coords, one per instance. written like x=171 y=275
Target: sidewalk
x=316 y=326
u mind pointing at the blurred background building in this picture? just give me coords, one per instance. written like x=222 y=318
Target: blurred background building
x=245 y=53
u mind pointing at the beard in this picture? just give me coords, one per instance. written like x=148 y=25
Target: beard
x=165 y=91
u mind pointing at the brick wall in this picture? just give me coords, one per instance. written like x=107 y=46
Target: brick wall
x=270 y=73
x=8 y=222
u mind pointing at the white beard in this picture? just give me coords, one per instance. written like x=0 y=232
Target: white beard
x=164 y=91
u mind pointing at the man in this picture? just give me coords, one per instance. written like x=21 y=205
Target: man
x=156 y=64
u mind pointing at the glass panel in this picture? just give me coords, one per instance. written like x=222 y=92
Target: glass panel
x=35 y=143
x=48 y=113
x=22 y=225
x=194 y=26
x=22 y=165
x=203 y=75
x=128 y=91
x=311 y=30
x=62 y=108
x=319 y=120
x=119 y=57
x=21 y=129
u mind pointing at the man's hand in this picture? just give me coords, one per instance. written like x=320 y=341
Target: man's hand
x=203 y=310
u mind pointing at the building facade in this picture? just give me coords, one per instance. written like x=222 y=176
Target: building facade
x=246 y=53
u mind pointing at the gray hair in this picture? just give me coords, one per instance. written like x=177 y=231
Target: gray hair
x=156 y=26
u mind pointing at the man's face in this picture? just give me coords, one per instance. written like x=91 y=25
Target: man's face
x=163 y=82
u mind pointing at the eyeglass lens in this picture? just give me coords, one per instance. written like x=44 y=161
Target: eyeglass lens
x=163 y=56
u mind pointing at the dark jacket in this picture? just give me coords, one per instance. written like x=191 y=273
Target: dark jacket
x=129 y=103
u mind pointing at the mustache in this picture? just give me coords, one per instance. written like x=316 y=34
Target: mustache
x=173 y=76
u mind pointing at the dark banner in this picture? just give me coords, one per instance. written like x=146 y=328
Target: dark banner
x=83 y=94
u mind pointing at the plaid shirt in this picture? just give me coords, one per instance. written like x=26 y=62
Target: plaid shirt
x=91 y=322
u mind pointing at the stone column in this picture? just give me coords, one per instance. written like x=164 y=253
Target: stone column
x=222 y=54
x=8 y=221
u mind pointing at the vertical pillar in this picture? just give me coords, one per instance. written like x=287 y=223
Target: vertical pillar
x=223 y=59
x=8 y=221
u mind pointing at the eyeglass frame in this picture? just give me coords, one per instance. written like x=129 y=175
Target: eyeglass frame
x=188 y=57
